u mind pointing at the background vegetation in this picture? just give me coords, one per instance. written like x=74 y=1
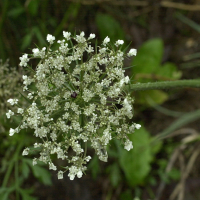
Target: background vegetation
x=163 y=164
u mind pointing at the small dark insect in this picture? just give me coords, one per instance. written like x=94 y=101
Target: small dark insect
x=73 y=95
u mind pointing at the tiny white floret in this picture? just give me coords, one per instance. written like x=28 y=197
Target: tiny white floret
x=24 y=59
x=12 y=101
x=128 y=145
x=50 y=38
x=119 y=42
x=11 y=132
x=106 y=40
x=9 y=114
x=25 y=152
x=66 y=35
x=137 y=126
x=79 y=174
x=92 y=36
x=36 y=52
x=132 y=52
x=60 y=175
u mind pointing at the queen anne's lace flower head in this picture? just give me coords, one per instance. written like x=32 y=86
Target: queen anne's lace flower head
x=76 y=101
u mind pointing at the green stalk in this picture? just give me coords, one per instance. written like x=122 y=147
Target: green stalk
x=165 y=85
x=11 y=165
x=17 y=179
x=3 y=11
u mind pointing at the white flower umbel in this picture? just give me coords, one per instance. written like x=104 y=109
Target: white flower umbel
x=77 y=95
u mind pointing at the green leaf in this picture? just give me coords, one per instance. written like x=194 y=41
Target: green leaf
x=147 y=63
x=25 y=169
x=157 y=96
x=114 y=174
x=38 y=34
x=4 y=192
x=127 y=195
x=136 y=162
x=15 y=12
x=169 y=70
x=26 y=41
x=149 y=57
x=33 y=7
x=4 y=196
x=3 y=189
x=109 y=26
x=94 y=166
x=25 y=193
x=40 y=172
x=174 y=174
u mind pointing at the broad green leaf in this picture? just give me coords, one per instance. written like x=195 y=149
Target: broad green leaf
x=169 y=70
x=25 y=193
x=40 y=172
x=157 y=96
x=136 y=162
x=108 y=26
x=147 y=63
x=148 y=58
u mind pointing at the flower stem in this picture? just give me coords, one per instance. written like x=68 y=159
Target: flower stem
x=165 y=85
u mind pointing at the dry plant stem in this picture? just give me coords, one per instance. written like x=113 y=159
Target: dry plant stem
x=168 y=168
x=182 y=182
x=141 y=11
x=181 y=6
x=185 y=131
x=117 y=3
x=179 y=190
x=167 y=4
x=165 y=85
x=179 y=187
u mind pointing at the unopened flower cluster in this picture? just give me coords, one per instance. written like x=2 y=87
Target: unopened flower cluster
x=76 y=97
